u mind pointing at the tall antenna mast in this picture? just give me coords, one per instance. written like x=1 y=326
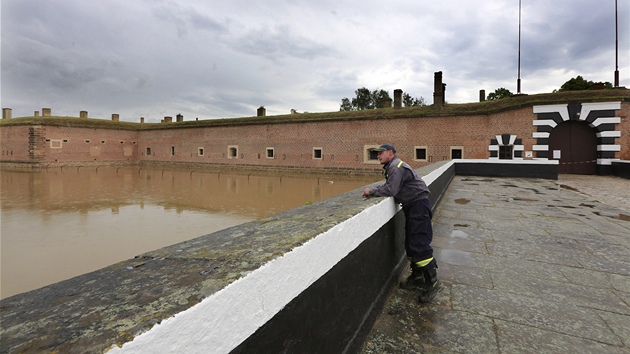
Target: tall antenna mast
x=518 y=80
x=616 y=48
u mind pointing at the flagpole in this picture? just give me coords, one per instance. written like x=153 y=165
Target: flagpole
x=518 y=81
x=616 y=48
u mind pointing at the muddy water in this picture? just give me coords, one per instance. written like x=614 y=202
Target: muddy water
x=63 y=222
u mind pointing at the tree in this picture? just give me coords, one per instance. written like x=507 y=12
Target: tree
x=499 y=94
x=579 y=83
x=362 y=100
x=378 y=97
x=366 y=99
x=409 y=101
x=346 y=105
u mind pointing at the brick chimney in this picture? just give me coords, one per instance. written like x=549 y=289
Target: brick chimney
x=438 y=90
x=398 y=98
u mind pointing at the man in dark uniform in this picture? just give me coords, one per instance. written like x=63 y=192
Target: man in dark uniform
x=411 y=191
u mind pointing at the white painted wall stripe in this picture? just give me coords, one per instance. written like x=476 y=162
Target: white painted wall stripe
x=609 y=134
x=527 y=162
x=512 y=139
x=608 y=120
x=545 y=122
x=541 y=135
x=608 y=147
x=588 y=107
x=553 y=108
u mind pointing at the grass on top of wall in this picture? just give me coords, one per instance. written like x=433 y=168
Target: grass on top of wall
x=448 y=109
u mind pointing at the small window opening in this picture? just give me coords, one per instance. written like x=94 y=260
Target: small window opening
x=148 y=151
x=232 y=152
x=421 y=153
x=505 y=152
x=317 y=153
x=270 y=153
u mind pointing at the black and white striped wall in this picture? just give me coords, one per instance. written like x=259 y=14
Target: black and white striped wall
x=600 y=116
x=506 y=140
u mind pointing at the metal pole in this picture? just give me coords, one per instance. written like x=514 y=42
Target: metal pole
x=616 y=48
x=518 y=81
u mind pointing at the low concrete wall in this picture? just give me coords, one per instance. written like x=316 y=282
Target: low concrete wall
x=547 y=169
x=311 y=279
x=621 y=169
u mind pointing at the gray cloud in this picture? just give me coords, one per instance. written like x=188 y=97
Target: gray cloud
x=225 y=59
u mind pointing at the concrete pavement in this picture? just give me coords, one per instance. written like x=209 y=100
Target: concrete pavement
x=527 y=266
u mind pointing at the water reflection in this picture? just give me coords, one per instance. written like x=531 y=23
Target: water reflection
x=63 y=222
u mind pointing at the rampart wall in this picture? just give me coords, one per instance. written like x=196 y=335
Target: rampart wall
x=335 y=141
x=343 y=144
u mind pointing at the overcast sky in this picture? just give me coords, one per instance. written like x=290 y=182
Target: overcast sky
x=224 y=59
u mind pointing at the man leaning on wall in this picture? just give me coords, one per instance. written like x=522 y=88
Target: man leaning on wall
x=408 y=189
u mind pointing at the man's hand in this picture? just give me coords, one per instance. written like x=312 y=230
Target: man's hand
x=366 y=192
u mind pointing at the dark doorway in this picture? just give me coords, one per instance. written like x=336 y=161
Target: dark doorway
x=576 y=144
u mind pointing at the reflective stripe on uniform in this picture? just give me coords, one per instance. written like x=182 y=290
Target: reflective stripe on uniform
x=424 y=263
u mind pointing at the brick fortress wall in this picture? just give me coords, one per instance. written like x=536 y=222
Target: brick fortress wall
x=55 y=145
x=342 y=143
x=337 y=144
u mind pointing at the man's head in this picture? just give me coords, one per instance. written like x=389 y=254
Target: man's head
x=386 y=153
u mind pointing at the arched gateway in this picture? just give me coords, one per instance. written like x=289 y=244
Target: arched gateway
x=581 y=136
x=574 y=143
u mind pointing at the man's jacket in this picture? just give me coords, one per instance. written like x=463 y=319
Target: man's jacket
x=402 y=183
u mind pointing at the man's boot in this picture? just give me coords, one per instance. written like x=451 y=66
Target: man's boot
x=431 y=285
x=415 y=281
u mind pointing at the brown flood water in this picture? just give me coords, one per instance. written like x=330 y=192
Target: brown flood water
x=63 y=222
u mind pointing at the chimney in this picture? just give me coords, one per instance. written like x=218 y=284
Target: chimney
x=168 y=120
x=115 y=117
x=141 y=119
x=261 y=112
x=6 y=113
x=398 y=98
x=482 y=95
x=83 y=114
x=180 y=117
x=438 y=94
x=386 y=103
x=46 y=112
